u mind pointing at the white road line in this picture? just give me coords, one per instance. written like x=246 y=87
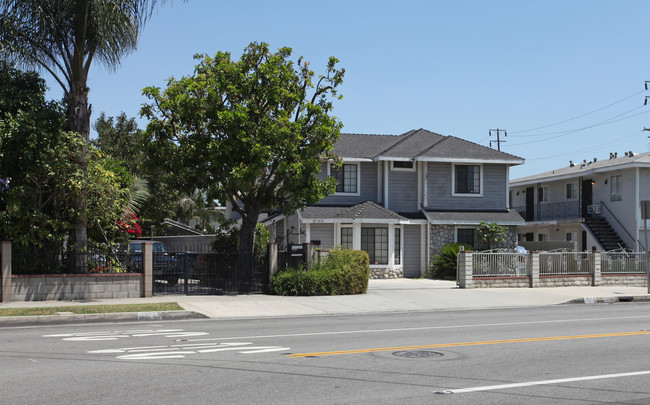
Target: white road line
x=346 y=332
x=543 y=382
x=267 y=350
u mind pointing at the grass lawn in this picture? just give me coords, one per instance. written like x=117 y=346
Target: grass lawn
x=91 y=309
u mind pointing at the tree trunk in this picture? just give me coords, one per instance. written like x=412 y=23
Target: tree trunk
x=246 y=252
x=78 y=120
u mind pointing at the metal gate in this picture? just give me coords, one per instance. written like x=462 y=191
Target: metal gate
x=213 y=274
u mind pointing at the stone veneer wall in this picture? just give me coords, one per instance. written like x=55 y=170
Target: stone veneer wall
x=440 y=235
x=379 y=273
x=510 y=282
x=76 y=287
x=565 y=281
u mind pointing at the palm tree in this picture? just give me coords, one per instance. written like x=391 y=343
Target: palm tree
x=64 y=37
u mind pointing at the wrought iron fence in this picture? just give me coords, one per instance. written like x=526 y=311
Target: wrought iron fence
x=499 y=264
x=622 y=262
x=552 y=263
x=28 y=260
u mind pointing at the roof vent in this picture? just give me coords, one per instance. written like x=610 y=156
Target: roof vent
x=615 y=155
x=571 y=164
x=595 y=159
x=625 y=154
x=611 y=155
x=630 y=154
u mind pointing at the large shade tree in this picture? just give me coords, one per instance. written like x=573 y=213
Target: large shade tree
x=65 y=37
x=253 y=132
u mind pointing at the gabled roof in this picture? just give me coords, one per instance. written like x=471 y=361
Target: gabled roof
x=587 y=168
x=364 y=212
x=418 y=145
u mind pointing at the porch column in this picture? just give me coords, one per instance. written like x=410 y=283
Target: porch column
x=356 y=236
x=6 y=272
x=272 y=248
x=391 y=246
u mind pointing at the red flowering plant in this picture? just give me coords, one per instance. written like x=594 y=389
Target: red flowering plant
x=129 y=224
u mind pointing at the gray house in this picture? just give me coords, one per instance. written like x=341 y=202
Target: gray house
x=400 y=198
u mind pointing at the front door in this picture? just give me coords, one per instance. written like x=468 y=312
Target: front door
x=530 y=204
x=587 y=197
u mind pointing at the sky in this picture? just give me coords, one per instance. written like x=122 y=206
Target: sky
x=564 y=78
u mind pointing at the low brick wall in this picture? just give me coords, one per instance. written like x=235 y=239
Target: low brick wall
x=67 y=287
x=497 y=282
x=627 y=280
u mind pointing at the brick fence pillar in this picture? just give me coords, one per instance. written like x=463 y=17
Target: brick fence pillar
x=6 y=272
x=465 y=269
x=147 y=268
x=597 y=260
x=272 y=248
x=533 y=265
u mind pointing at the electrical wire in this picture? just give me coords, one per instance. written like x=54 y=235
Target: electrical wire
x=617 y=140
x=579 y=116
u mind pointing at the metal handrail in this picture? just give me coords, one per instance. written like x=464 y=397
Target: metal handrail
x=621 y=225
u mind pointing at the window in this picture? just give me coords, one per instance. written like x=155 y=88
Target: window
x=542 y=194
x=569 y=236
x=467 y=179
x=403 y=165
x=615 y=188
x=465 y=236
x=347 y=178
x=530 y=236
x=346 y=238
x=374 y=241
x=572 y=190
x=542 y=237
x=397 y=246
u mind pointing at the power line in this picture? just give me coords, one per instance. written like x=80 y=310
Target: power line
x=600 y=145
x=610 y=121
x=579 y=116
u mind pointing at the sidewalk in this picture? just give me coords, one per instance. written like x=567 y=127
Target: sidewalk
x=383 y=296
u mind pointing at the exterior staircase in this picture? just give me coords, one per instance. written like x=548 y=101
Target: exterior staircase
x=604 y=232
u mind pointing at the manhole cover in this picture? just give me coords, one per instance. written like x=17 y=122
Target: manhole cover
x=417 y=354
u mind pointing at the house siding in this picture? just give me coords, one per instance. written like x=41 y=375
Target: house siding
x=324 y=233
x=439 y=194
x=367 y=187
x=412 y=266
x=403 y=191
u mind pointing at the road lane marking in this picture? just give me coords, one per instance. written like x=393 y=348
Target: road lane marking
x=478 y=343
x=182 y=351
x=365 y=331
x=115 y=335
x=542 y=382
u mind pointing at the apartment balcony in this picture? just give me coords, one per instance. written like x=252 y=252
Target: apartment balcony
x=550 y=211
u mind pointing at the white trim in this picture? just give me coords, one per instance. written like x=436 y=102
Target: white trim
x=347 y=162
x=389 y=158
x=385 y=186
x=354 y=159
x=419 y=180
x=356 y=236
x=402 y=169
x=425 y=188
x=637 y=214
x=379 y=182
x=507 y=188
x=475 y=161
x=453 y=181
x=362 y=221
x=307 y=232
x=578 y=173
x=424 y=252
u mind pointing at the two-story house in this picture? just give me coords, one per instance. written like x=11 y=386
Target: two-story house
x=401 y=198
x=594 y=204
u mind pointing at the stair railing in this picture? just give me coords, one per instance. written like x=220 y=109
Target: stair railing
x=611 y=214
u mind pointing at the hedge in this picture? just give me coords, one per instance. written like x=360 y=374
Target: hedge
x=343 y=272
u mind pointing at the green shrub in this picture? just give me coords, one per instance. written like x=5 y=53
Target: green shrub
x=343 y=272
x=444 y=263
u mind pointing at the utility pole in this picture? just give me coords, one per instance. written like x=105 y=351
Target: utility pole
x=498 y=140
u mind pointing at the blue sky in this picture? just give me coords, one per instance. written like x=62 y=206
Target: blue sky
x=564 y=78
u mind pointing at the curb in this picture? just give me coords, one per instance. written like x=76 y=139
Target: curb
x=97 y=318
x=610 y=300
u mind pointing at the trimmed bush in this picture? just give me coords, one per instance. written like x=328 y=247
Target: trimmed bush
x=343 y=272
x=443 y=266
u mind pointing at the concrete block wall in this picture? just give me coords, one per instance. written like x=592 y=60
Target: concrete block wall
x=67 y=287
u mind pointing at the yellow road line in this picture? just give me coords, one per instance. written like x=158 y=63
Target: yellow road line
x=479 y=343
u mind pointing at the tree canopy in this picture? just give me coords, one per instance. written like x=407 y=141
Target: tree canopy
x=253 y=132
x=64 y=37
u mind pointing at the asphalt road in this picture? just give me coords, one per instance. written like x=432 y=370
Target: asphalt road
x=571 y=354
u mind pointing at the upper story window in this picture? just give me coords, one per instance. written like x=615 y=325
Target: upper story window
x=542 y=194
x=467 y=180
x=347 y=178
x=403 y=165
x=572 y=190
x=615 y=188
